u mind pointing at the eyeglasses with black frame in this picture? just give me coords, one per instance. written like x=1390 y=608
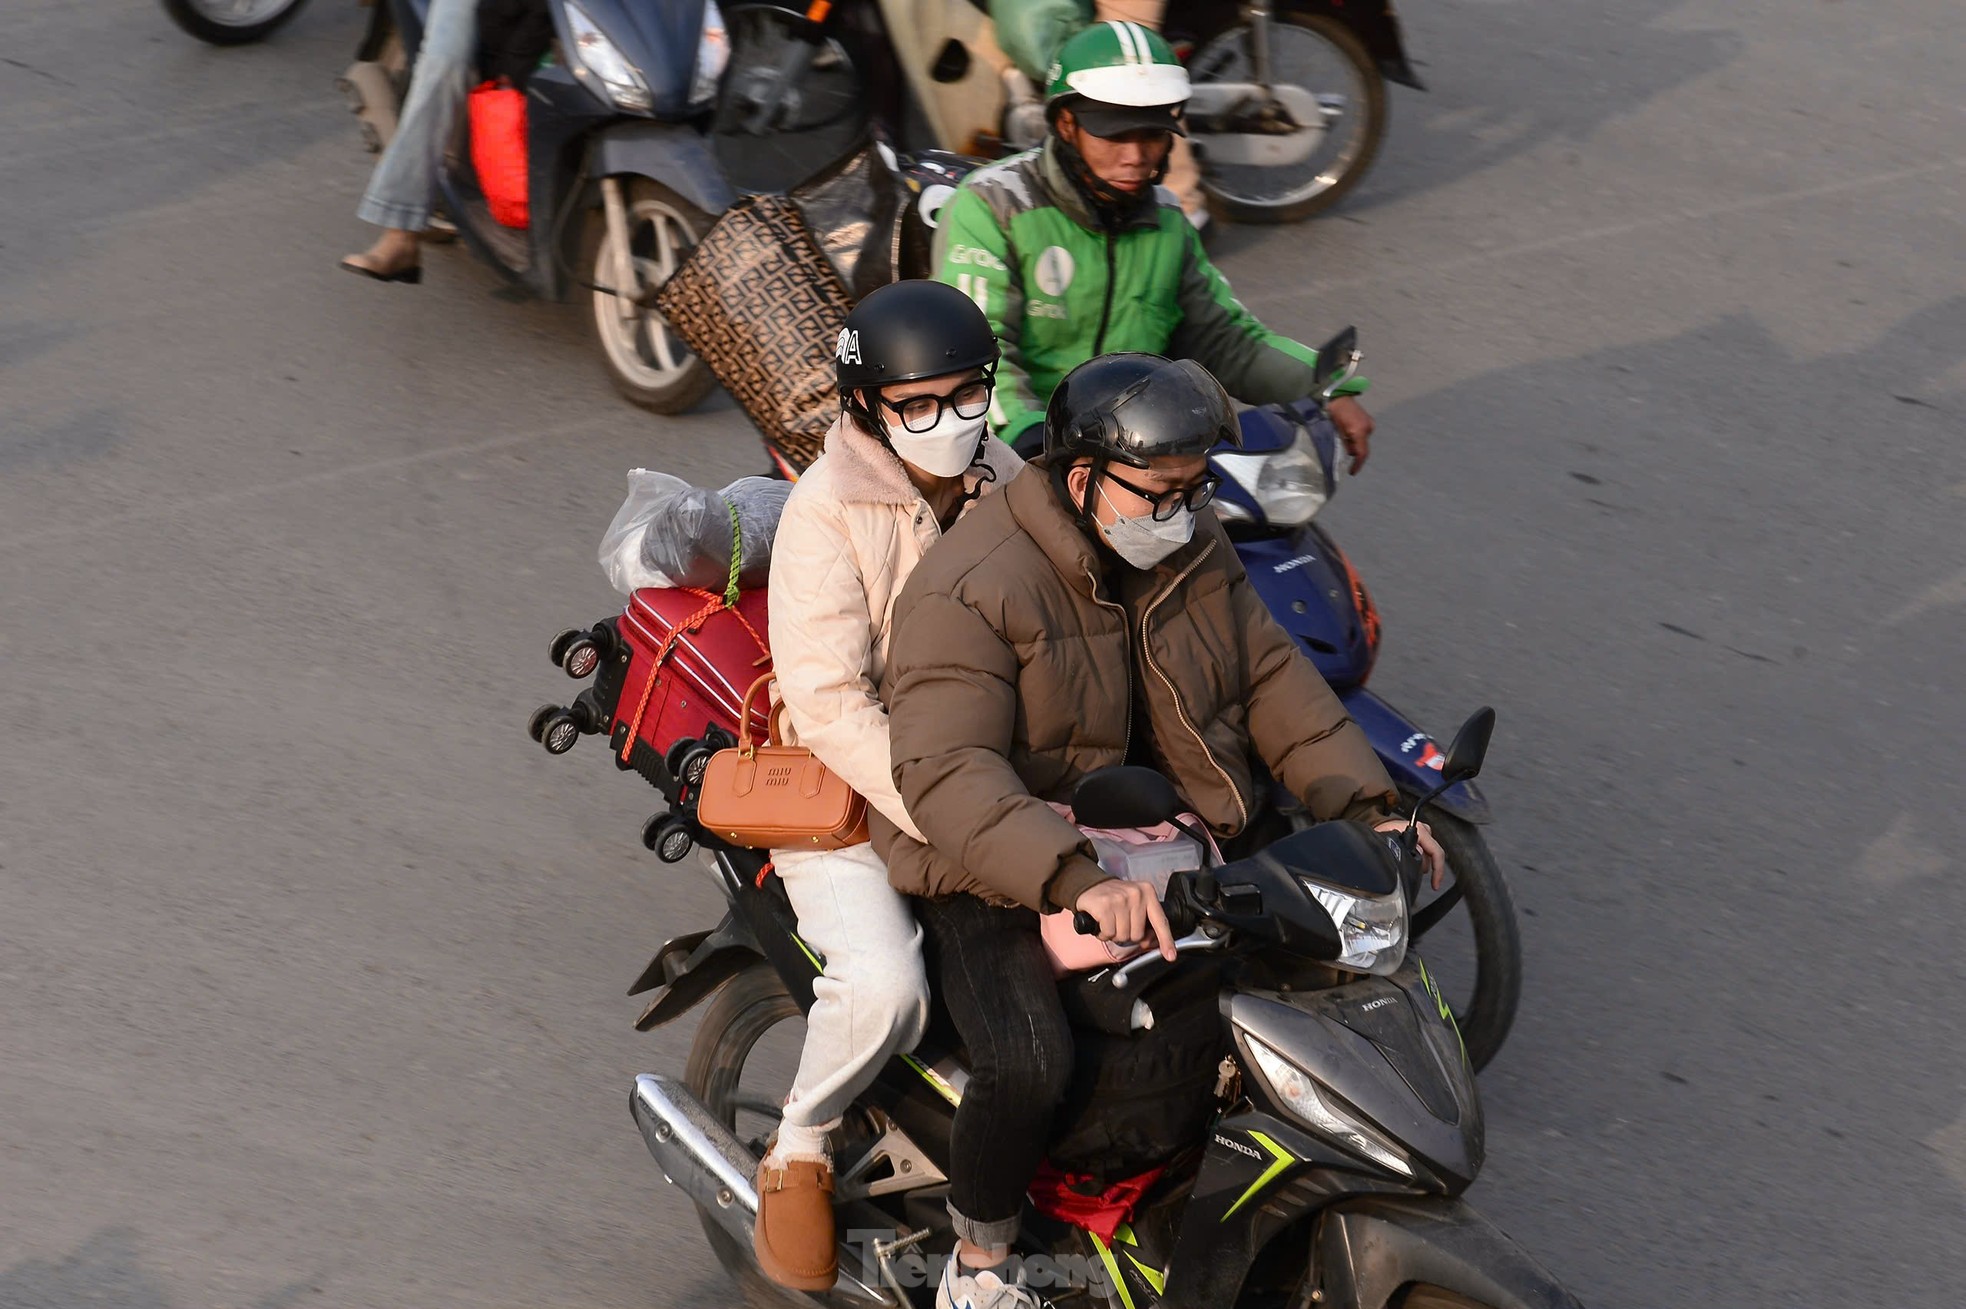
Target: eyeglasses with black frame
x=1196 y=495
x=920 y=413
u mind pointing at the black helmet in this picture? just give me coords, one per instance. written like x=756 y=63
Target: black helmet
x=906 y=331
x=1129 y=408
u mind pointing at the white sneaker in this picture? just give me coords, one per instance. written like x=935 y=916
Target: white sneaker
x=962 y=1289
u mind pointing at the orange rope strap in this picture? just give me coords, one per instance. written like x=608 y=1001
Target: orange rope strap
x=713 y=604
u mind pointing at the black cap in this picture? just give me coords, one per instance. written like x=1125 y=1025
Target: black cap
x=1107 y=120
x=905 y=331
x=1129 y=408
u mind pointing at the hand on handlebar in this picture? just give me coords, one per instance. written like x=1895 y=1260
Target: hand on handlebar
x=1354 y=429
x=1433 y=860
x=1125 y=912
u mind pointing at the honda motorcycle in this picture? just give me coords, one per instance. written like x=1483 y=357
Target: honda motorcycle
x=1346 y=1122
x=1288 y=110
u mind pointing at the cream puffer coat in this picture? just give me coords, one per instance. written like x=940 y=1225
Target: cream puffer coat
x=853 y=530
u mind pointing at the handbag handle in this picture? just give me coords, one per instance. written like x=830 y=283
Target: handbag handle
x=744 y=744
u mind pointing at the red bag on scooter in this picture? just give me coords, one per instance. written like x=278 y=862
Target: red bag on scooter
x=498 y=150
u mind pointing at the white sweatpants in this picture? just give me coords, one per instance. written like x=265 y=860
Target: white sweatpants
x=870 y=1004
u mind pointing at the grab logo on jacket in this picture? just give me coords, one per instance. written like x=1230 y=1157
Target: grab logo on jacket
x=1054 y=270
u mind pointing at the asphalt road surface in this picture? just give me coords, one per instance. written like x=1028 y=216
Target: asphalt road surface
x=311 y=966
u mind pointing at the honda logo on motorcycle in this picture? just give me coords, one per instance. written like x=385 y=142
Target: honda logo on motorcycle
x=1237 y=1146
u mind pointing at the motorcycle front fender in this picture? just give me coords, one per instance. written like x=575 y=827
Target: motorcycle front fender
x=675 y=155
x=1407 y=752
x=687 y=969
x=1371 y=1249
x=1376 y=25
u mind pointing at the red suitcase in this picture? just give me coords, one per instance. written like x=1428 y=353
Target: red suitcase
x=688 y=661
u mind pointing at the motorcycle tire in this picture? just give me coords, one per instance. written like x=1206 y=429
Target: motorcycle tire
x=1303 y=202
x=1486 y=1016
x=743 y=1010
x=674 y=380
x=259 y=22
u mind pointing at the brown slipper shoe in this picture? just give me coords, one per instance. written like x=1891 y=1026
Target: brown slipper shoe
x=794 y=1239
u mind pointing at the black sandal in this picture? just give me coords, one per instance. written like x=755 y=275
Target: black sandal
x=412 y=275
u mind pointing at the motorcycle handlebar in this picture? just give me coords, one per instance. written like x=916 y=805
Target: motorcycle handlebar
x=1184 y=890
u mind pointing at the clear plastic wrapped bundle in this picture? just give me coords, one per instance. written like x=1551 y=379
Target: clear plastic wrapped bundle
x=669 y=533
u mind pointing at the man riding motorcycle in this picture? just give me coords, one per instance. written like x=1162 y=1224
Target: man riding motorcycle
x=1090 y=614
x=1072 y=251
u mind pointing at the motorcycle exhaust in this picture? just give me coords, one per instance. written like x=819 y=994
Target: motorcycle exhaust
x=697 y=1153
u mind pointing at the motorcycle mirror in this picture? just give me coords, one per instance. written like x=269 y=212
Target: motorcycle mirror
x=1337 y=361
x=1124 y=796
x=1463 y=761
x=1469 y=748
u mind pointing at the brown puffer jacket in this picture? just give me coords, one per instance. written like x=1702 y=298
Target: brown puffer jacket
x=1008 y=678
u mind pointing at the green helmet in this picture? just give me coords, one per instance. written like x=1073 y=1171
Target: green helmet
x=1118 y=77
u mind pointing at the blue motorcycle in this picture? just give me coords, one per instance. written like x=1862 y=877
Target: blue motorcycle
x=1271 y=488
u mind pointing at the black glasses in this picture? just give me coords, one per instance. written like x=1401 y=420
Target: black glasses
x=920 y=413
x=1196 y=495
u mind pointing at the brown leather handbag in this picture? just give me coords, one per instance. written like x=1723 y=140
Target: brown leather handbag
x=774 y=796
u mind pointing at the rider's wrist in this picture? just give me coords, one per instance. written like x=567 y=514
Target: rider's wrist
x=1077 y=875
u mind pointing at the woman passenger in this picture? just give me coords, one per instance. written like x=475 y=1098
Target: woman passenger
x=916 y=363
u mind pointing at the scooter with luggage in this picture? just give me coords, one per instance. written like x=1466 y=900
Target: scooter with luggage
x=1325 y=1166
x=1272 y=486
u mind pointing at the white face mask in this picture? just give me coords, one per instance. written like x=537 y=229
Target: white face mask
x=944 y=450
x=1143 y=542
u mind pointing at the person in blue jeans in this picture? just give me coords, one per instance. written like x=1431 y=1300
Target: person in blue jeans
x=403 y=189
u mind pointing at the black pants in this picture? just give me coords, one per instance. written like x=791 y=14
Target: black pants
x=989 y=966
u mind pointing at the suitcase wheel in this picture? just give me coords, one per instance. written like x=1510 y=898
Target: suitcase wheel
x=688 y=768
x=665 y=834
x=581 y=657
x=557 y=652
x=554 y=727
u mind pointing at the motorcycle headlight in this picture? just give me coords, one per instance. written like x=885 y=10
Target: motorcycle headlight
x=1289 y=485
x=712 y=56
x=1371 y=928
x=1323 y=1113
x=598 y=59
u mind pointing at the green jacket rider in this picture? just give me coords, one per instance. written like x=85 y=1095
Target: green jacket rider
x=1072 y=252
